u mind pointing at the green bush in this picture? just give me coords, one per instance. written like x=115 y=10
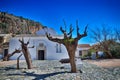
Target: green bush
x=115 y=51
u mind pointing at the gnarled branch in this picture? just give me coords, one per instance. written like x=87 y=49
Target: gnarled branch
x=31 y=47
x=54 y=39
x=77 y=28
x=22 y=41
x=64 y=32
x=6 y=58
x=28 y=41
x=79 y=36
x=61 y=29
x=71 y=30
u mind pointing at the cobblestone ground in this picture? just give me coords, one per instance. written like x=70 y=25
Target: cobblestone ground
x=51 y=70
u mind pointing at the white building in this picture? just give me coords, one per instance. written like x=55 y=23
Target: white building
x=82 y=50
x=44 y=49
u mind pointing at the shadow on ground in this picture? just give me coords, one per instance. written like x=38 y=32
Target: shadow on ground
x=37 y=76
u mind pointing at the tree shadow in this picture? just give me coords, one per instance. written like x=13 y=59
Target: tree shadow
x=7 y=68
x=37 y=76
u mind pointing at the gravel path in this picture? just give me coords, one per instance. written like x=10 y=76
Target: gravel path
x=51 y=70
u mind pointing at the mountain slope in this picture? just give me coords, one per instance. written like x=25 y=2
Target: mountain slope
x=10 y=23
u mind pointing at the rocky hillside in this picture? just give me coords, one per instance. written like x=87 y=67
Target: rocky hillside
x=10 y=23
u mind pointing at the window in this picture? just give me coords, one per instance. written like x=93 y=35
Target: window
x=80 y=53
x=58 y=48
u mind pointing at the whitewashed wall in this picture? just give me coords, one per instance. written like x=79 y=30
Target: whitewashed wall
x=80 y=49
x=50 y=53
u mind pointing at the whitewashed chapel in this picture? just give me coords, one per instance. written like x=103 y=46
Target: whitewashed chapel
x=44 y=49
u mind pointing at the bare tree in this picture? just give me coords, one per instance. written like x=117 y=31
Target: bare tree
x=26 y=53
x=117 y=34
x=70 y=43
x=6 y=58
x=18 y=61
x=105 y=37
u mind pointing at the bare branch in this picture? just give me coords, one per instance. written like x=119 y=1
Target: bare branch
x=54 y=39
x=85 y=31
x=28 y=41
x=65 y=24
x=79 y=36
x=71 y=30
x=19 y=56
x=117 y=34
x=31 y=47
x=77 y=28
x=21 y=41
x=6 y=58
x=64 y=32
x=61 y=29
x=17 y=50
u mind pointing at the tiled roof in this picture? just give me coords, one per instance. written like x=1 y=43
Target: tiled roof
x=84 y=46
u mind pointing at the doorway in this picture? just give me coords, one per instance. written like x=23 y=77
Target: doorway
x=5 y=52
x=41 y=55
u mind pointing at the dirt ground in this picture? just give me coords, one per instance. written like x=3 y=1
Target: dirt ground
x=106 y=63
x=11 y=62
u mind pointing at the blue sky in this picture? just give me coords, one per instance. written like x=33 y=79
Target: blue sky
x=52 y=12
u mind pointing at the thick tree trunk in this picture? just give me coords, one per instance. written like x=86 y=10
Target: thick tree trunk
x=73 y=65
x=72 y=61
x=28 y=59
x=109 y=54
x=107 y=51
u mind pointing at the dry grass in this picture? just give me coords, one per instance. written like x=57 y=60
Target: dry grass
x=106 y=63
x=11 y=62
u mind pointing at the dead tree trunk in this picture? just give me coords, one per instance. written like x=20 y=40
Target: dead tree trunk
x=27 y=58
x=97 y=54
x=26 y=53
x=18 y=61
x=6 y=58
x=72 y=60
x=109 y=55
x=70 y=43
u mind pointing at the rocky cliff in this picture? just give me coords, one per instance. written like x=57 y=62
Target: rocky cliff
x=10 y=23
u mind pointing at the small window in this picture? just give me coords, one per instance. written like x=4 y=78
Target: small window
x=58 y=48
x=80 y=53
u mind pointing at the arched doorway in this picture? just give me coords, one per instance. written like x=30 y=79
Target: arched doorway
x=41 y=52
